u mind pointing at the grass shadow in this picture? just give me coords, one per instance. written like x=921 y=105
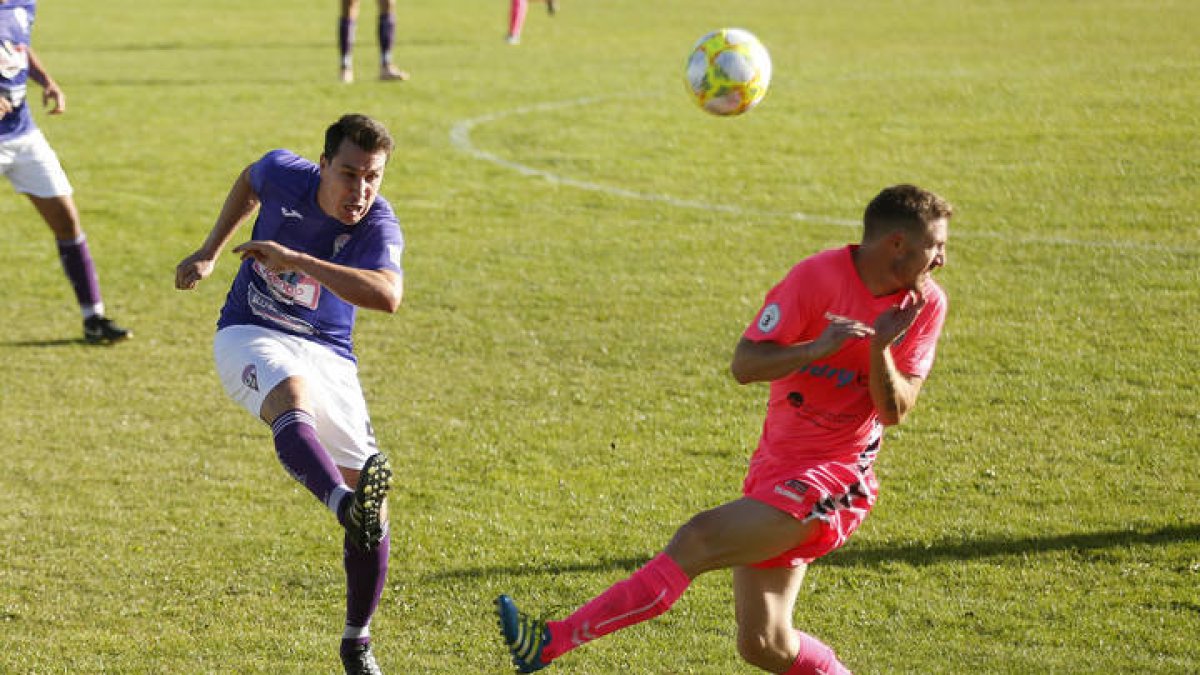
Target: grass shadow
x=916 y=554
x=60 y=342
x=973 y=549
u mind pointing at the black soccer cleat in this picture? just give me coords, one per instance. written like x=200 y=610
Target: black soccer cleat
x=363 y=515
x=100 y=330
x=360 y=661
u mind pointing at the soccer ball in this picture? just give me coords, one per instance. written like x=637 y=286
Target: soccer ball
x=728 y=71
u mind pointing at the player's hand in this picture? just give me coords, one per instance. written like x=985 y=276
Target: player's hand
x=52 y=94
x=192 y=270
x=271 y=255
x=6 y=106
x=839 y=330
x=896 y=319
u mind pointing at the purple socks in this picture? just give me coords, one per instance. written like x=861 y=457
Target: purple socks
x=366 y=574
x=346 y=40
x=81 y=272
x=305 y=459
x=387 y=35
x=302 y=454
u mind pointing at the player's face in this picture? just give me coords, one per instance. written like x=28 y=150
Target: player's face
x=919 y=255
x=350 y=182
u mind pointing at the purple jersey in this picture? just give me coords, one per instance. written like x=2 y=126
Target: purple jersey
x=16 y=28
x=288 y=213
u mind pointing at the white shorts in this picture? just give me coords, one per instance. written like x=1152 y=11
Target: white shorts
x=252 y=360
x=31 y=165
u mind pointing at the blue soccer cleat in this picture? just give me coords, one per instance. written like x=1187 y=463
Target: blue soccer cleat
x=524 y=637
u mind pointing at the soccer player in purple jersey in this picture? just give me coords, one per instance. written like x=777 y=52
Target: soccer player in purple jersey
x=846 y=340
x=32 y=166
x=323 y=244
x=386 y=34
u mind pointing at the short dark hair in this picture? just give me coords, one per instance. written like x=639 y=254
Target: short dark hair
x=360 y=130
x=903 y=207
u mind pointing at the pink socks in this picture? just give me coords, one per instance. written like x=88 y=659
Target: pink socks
x=815 y=658
x=650 y=591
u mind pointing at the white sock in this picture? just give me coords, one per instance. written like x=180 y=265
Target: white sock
x=335 y=498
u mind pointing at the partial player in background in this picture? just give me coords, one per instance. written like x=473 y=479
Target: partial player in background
x=32 y=166
x=324 y=243
x=516 y=18
x=846 y=340
x=386 y=33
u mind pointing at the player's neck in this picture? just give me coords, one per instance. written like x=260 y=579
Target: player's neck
x=874 y=269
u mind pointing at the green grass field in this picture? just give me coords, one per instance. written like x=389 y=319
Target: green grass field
x=554 y=391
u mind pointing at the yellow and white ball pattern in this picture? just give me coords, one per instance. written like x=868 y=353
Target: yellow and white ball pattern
x=728 y=71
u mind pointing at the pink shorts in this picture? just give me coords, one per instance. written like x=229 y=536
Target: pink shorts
x=837 y=495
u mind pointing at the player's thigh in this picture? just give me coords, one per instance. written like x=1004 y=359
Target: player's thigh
x=740 y=532
x=340 y=409
x=833 y=497
x=252 y=361
x=34 y=168
x=290 y=394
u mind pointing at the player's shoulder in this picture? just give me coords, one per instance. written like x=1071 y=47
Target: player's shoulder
x=23 y=10
x=283 y=168
x=381 y=214
x=936 y=302
x=285 y=160
x=934 y=293
x=820 y=266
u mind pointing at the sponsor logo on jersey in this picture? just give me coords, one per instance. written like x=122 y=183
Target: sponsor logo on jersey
x=290 y=288
x=15 y=94
x=843 y=377
x=290 y=214
x=14 y=58
x=264 y=307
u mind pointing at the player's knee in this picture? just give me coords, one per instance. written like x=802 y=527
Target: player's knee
x=696 y=546
x=61 y=217
x=764 y=650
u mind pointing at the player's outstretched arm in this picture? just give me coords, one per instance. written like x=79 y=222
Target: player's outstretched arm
x=369 y=289
x=766 y=361
x=51 y=92
x=239 y=204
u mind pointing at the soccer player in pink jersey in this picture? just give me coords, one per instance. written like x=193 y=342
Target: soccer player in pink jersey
x=846 y=340
x=386 y=34
x=516 y=18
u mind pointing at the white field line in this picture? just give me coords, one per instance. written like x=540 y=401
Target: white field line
x=460 y=137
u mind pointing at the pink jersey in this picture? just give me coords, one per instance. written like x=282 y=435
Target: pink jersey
x=824 y=411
